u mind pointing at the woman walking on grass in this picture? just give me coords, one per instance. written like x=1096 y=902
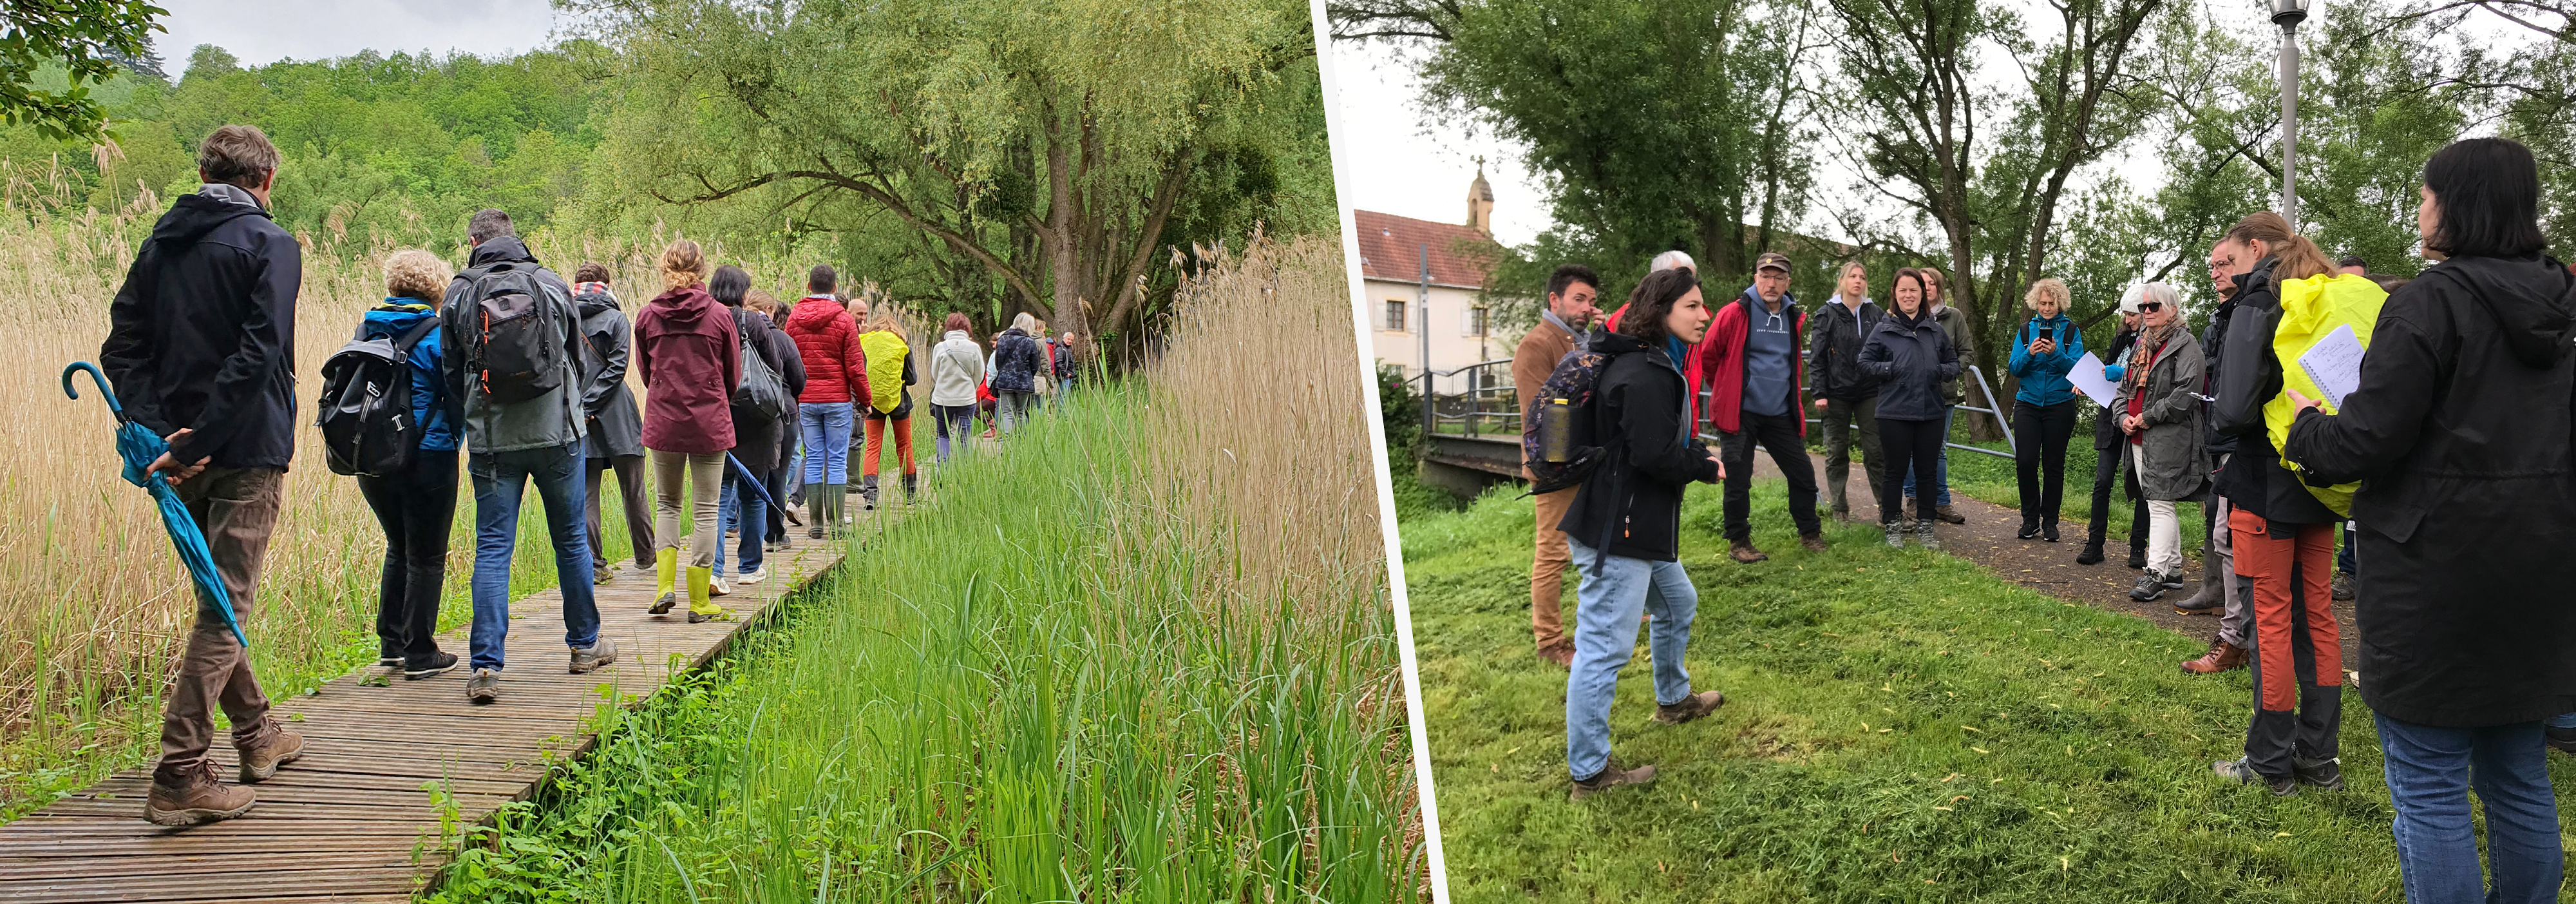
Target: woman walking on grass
x=889 y=404
x=2043 y=353
x=687 y=349
x=2159 y=414
x=956 y=367
x=418 y=506
x=836 y=374
x=1624 y=528
x=1908 y=356
x=2459 y=434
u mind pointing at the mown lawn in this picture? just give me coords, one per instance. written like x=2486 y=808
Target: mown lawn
x=1899 y=726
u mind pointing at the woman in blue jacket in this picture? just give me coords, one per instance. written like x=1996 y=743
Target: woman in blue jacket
x=418 y=506
x=2043 y=352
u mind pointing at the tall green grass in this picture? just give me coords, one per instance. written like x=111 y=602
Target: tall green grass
x=1104 y=664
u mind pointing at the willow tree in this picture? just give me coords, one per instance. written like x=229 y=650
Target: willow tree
x=1048 y=143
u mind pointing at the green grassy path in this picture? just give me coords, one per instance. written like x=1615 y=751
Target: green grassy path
x=1899 y=726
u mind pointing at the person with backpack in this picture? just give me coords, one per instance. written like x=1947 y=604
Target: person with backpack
x=956 y=369
x=1624 y=528
x=1017 y=362
x=1846 y=396
x=2282 y=535
x=1955 y=390
x=1908 y=357
x=2459 y=435
x=836 y=376
x=690 y=354
x=889 y=405
x=616 y=432
x=2044 y=351
x=1571 y=290
x=2158 y=410
x=200 y=350
x=767 y=355
x=416 y=505
x=1754 y=371
x=515 y=355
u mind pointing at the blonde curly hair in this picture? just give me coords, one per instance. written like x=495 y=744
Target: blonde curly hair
x=684 y=264
x=2051 y=287
x=414 y=273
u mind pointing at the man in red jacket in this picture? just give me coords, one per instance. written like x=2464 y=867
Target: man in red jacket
x=1752 y=366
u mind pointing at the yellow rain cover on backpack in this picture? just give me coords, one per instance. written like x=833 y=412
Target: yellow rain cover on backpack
x=2311 y=309
x=885 y=352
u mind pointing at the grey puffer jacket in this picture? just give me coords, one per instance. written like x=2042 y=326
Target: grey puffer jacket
x=2176 y=460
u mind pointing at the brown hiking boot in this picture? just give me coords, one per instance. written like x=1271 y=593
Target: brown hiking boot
x=1949 y=514
x=1813 y=542
x=192 y=794
x=1743 y=551
x=1561 y=653
x=2221 y=657
x=1691 y=707
x=1611 y=777
x=283 y=746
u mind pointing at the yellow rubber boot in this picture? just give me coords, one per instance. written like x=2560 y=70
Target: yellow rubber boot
x=702 y=606
x=666 y=577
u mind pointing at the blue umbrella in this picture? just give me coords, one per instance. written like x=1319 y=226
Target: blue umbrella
x=139 y=446
x=746 y=480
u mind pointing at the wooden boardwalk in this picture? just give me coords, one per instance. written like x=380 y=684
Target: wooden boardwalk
x=354 y=820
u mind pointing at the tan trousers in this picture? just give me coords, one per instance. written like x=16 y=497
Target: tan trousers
x=705 y=474
x=237 y=510
x=1547 y=570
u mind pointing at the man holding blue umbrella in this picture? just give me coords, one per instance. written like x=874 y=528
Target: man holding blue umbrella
x=200 y=349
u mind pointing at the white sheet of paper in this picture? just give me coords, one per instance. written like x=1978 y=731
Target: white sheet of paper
x=2087 y=377
x=2335 y=363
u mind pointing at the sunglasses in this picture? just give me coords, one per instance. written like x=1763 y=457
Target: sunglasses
x=2150 y=307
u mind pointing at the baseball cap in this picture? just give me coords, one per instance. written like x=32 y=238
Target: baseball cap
x=1771 y=259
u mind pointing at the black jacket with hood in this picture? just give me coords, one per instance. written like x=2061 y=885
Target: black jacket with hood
x=2460 y=434
x=616 y=429
x=2249 y=375
x=202 y=333
x=1835 y=334
x=1641 y=416
x=2213 y=341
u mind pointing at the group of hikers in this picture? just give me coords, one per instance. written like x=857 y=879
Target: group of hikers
x=747 y=400
x=2449 y=454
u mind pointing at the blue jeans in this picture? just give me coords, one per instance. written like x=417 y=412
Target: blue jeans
x=1940 y=468
x=736 y=508
x=961 y=418
x=2430 y=772
x=825 y=429
x=500 y=480
x=1608 y=602
x=2343 y=558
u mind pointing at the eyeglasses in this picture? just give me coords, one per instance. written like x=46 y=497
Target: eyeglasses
x=2150 y=307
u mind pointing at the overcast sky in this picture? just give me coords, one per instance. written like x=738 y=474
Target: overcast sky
x=265 y=31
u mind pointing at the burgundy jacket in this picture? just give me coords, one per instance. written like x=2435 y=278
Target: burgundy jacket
x=691 y=358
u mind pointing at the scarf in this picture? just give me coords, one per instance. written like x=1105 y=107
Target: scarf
x=1677 y=350
x=2143 y=355
x=1582 y=340
x=586 y=288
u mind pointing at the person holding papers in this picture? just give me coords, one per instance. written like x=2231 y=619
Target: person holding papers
x=2459 y=434
x=2159 y=413
x=2109 y=446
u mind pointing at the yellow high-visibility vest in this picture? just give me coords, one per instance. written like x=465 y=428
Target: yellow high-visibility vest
x=2311 y=309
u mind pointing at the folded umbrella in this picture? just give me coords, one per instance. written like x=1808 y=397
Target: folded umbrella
x=747 y=482
x=139 y=446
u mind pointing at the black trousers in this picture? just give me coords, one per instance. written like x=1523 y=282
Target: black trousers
x=777 y=484
x=2106 y=477
x=1779 y=434
x=639 y=511
x=1907 y=442
x=2039 y=459
x=417 y=509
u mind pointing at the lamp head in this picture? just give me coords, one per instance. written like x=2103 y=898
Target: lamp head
x=2289 y=13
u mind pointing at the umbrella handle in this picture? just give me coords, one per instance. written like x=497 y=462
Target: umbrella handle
x=96 y=376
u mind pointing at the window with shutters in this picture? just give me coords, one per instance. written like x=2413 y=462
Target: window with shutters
x=1475 y=325
x=1395 y=315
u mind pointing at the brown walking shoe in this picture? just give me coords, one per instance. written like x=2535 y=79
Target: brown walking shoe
x=2221 y=657
x=1949 y=514
x=1561 y=653
x=1691 y=707
x=1813 y=542
x=1743 y=551
x=1611 y=777
x=261 y=761
x=192 y=794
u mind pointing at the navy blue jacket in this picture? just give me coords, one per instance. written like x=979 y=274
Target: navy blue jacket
x=202 y=333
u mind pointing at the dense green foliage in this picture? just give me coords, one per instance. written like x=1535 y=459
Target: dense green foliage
x=53 y=51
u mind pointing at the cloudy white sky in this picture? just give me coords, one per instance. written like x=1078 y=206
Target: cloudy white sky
x=265 y=31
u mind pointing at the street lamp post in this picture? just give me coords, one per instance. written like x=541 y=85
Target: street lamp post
x=2288 y=14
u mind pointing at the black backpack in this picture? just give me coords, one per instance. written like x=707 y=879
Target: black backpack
x=761 y=391
x=367 y=424
x=512 y=339
x=1559 y=442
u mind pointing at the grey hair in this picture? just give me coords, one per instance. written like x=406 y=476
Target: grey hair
x=1671 y=259
x=2159 y=292
x=488 y=224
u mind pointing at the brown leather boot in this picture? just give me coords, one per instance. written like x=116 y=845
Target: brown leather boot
x=260 y=761
x=1813 y=542
x=1560 y=652
x=2221 y=657
x=192 y=794
x=1743 y=551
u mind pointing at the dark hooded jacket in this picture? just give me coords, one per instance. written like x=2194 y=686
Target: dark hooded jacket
x=202 y=333
x=1017 y=360
x=1909 y=358
x=2106 y=422
x=2460 y=434
x=616 y=430
x=553 y=419
x=2213 y=340
x=755 y=438
x=432 y=408
x=686 y=348
x=1642 y=417
x=2249 y=375
x=1835 y=334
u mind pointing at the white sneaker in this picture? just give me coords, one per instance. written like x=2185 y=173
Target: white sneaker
x=719 y=587
x=755 y=575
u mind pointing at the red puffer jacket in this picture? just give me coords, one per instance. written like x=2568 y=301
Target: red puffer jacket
x=828 y=339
